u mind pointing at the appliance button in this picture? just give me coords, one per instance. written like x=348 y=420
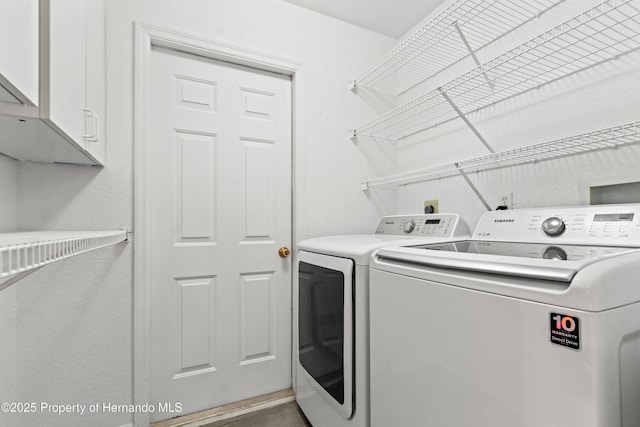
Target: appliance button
x=553 y=226
x=555 y=253
x=409 y=226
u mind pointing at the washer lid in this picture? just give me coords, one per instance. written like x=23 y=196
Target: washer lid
x=358 y=247
x=526 y=250
x=531 y=260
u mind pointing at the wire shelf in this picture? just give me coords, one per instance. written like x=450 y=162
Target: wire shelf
x=25 y=252
x=605 y=32
x=602 y=139
x=463 y=28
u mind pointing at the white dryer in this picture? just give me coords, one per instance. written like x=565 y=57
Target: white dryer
x=331 y=303
x=534 y=321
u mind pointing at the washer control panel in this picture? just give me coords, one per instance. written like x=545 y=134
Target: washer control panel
x=425 y=225
x=617 y=225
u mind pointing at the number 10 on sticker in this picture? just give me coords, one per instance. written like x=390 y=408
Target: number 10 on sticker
x=564 y=330
x=566 y=323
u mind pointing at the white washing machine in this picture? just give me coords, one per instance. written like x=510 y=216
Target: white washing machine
x=533 y=322
x=331 y=303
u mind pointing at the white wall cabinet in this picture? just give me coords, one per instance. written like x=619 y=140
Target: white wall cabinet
x=19 y=23
x=63 y=121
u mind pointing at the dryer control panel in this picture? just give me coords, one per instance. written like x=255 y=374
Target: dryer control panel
x=614 y=225
x=424 y=225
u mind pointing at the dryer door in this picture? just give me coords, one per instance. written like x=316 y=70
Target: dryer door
x=325 y=327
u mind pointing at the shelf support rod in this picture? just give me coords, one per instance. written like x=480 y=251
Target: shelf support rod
x=129 y=232
x=5 y=283
x=474 y=188
x=472 y=53
x=466 y=120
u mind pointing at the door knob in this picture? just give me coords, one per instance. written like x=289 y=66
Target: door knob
x=284 y=252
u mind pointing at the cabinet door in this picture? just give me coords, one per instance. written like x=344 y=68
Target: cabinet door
x=64 y=83
x=96 y=77
x=19 y=22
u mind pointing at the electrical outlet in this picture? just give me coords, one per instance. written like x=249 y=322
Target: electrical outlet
x=430 y=206
x=506 y=199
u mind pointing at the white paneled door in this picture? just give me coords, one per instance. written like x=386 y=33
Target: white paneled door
x=219 y=208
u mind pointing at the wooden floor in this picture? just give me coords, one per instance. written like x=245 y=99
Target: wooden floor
x=286 y=415
x=269 y=410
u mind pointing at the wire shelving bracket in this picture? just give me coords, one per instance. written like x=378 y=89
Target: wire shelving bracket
x=602 y=139
x=604 y=32
x=23 y=253
x=458 y=32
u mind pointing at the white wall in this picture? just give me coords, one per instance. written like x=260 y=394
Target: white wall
x=7 y=351
x=600 y=97
x=8 y=222
x=74 y=337
x=8 y=198
x=75 y=317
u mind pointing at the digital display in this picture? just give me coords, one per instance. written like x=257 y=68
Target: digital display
x=432 y=221
x=613 y=217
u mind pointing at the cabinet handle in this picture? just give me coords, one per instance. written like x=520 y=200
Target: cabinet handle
x=91 y=117
x=96 y=128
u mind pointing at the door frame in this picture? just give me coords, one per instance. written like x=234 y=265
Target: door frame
x=145 y=38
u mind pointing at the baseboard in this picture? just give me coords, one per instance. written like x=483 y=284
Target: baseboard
x=231 y=410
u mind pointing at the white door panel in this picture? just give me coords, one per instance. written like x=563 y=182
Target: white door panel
x=96 y=77
x=67 y=67
x=219 y=209
x=19 y=49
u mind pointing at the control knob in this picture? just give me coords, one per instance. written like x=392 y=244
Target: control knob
x=553 y=226
x=556 y=253
x=409 y=226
